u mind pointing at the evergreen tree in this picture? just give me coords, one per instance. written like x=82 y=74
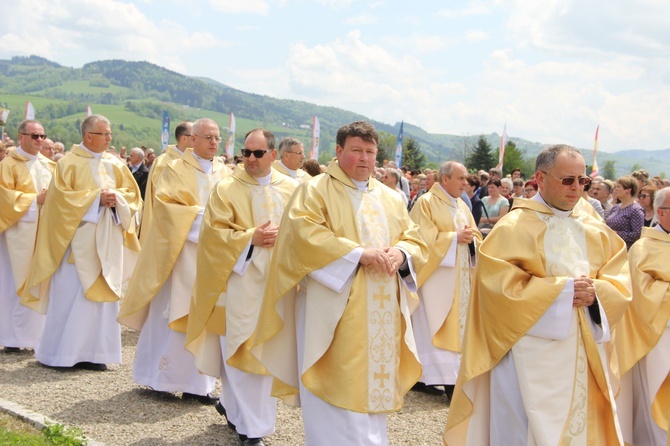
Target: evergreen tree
x=412 y=157
x=513 y=159
x=481 y=158
x=609 y=173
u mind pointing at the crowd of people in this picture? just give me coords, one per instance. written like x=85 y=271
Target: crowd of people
x=537 y=308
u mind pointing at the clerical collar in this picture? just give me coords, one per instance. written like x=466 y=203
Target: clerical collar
x=451 y=197
x=206 y=164
x=557 y=212
x=291 y=172
x=659 y=228
x=95 y=154
x=179 y=150
x=360 y=185
x=264 y=181
x=22 y=152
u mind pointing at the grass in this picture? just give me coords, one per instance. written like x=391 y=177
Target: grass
x=16 y=432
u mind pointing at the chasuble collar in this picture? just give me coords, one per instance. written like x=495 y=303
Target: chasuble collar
x=336 y=172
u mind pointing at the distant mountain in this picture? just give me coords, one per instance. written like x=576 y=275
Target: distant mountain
x=133 y=95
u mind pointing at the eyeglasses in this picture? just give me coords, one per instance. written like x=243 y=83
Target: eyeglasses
x=529 y=190
x=569 y=181
x=35 y=136
x=209 y=138
x=643 y=196
x=298 y=153
x=257 y=153
x=106 y=135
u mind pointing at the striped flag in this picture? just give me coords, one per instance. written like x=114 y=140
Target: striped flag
x=316 y=131
x=398 y=147
x=30 y=110
x=230 y=142
x=165 y=132
x=501 y=152
x=594 y=171
x=89 y=112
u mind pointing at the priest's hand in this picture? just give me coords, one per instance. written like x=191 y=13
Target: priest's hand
x=41 y=196
x=465 y=235
x=378 y=259
x=397 y=259
x=265 y=235
x=584 y=293
x=107 y=198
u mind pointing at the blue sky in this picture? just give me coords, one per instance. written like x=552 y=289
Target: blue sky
x=550 y=70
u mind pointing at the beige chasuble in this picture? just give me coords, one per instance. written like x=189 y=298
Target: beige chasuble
x=21 y=178
x=103 y=253
x=183 y=190
x=523 y=266
x=359 y=347
x=225 y=303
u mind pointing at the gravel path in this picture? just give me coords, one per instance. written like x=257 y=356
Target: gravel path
x=112 y=409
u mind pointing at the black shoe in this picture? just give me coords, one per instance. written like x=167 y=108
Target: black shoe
x=90 y=366
x=449 y=390
x=11 y=350
x=252 y=441
x=222 y=411
x=429 y=389
x=209 y=399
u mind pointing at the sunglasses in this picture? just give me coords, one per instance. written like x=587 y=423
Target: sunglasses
x=569 y=181
x=643 y=196
x=35 y=136
x=257 y=153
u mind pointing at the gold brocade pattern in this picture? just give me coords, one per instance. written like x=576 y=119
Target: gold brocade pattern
x=383 y=312
x=463 y=262
x=268 y=204
x=102 y=173
x=575 y=433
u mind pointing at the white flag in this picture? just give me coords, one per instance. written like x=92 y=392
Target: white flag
x=30 y=110
x=316 y=130
x=230 y=142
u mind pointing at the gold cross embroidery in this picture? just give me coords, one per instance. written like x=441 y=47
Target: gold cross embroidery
x=382 y=375
x=381 y=297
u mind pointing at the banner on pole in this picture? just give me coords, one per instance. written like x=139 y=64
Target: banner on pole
x=316 y=130
x=30 y=110
x=398 y=147
x=594 y=171
x=230 y=142
x=165 y=133
x=503 y=142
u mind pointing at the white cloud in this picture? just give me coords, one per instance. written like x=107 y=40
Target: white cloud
x=336 y=4
x=362 y=19
x=241 y=6
x=477 y=36
x=473 y=9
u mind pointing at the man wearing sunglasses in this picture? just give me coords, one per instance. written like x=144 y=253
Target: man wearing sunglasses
x=291 y=156
x=86 y=247
x=236 y=243
x=165 y=272
x=552 y=281
x=24 y=178
x=344 y=342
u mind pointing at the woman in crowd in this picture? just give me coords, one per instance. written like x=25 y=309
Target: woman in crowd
x=506 y=187
x=626 y=217
x=477 y=205
x=495 y=204
x=646 y=199
x=529 y=189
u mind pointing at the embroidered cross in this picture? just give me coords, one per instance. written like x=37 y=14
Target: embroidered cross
x=381 y=296
x=381 y=376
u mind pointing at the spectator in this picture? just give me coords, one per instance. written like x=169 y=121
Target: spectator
x=311 y=167
x=495 y=205
x=626 y=217
x=529 y=189
x=646 y=199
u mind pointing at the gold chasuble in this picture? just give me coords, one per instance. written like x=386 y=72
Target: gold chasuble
x=183 y=189
x=647 y=318
x=523 y=266
x=170 y=154
x=225 y=303
x=445 y=292
x=300 y=175
x=359 y=351
x=95 y=247
x=20 y=180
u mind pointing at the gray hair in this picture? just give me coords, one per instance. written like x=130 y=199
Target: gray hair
x=395 y=173
x=446 y=169
x=659 y=197
x=286 y=143
x=90 y=121
x=508 y=182
x=137 y=151
x=547 y=158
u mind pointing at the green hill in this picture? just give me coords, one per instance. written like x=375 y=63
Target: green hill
x=133 y=96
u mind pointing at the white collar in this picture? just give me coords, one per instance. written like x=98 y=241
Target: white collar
x=26 y=154
x=360 y=185
x=557 y=212
x=265 y=180
x=291 y=172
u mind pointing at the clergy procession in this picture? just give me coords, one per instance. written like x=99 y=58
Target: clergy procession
x=538 y=311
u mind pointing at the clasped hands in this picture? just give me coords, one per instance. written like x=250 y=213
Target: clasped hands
x=265 y=235
x=465 y=235
x=383 y=260
x=584 y=293
x=107 y=198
